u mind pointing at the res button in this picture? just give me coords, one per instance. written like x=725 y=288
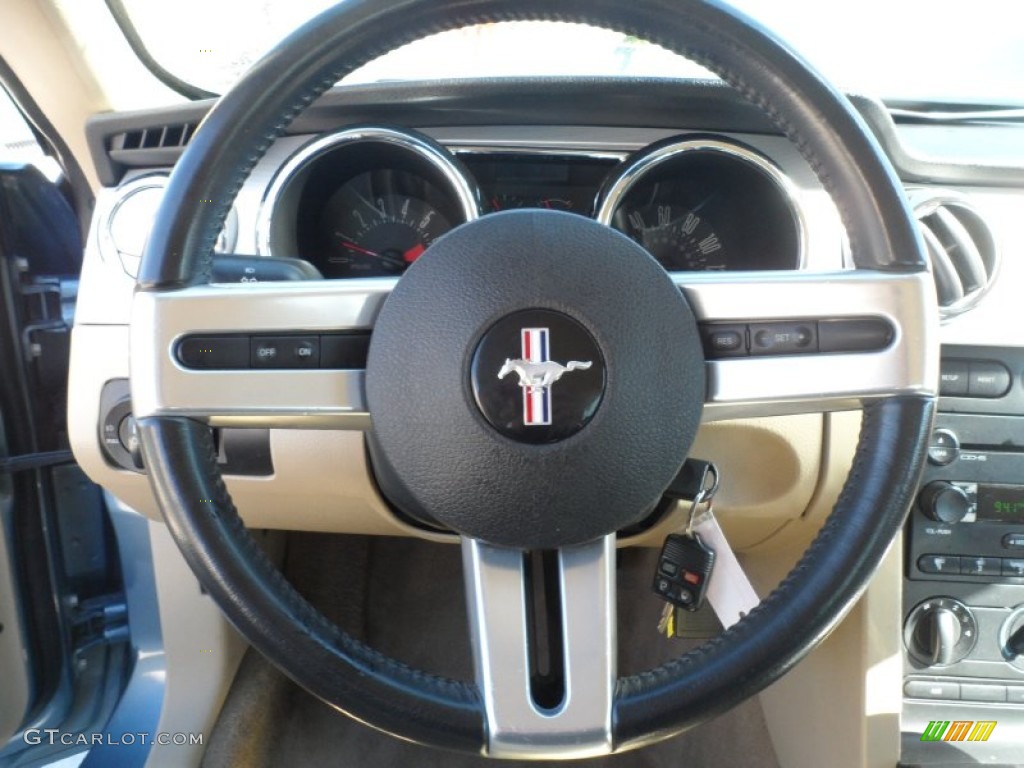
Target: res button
x=724 y=340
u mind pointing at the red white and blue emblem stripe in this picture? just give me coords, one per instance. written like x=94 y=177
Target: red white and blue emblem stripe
x=536 y=400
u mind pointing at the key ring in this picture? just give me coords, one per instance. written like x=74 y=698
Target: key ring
x=703 y=499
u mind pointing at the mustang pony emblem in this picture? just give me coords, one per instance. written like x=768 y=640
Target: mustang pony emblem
x=536 y=375
x=539 y=374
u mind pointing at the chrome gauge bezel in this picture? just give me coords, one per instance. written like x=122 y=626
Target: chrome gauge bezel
x=458 y=183
x=108 y=246
x=635 y=170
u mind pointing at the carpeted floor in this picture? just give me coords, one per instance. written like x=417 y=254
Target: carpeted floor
x=406 y=598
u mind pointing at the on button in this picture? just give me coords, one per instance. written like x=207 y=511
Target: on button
x=286 y=352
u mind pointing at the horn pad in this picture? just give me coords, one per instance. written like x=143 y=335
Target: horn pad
x=535 y=380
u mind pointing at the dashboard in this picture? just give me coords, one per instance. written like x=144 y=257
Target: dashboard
x=371 y=176
x=368 y=201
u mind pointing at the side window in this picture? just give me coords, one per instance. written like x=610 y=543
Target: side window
x=18 y=144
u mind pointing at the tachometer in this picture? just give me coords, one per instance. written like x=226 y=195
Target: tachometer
x=365 y=202
x=379 y=235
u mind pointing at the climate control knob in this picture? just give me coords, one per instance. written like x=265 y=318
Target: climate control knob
x=944 y=502
x=940 y=631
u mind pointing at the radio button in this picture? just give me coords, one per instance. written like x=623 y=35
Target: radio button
x=1013 y=567
x=944 y=448
x=975 y=692
x=988 y=380
x=980 y=566
x=943 y=564
x=953 y=378
x=1013 y=541
x=946 y=502
x=932 y=689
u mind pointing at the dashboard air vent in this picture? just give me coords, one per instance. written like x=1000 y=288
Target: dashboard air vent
x=155 y=137
x=960 y=247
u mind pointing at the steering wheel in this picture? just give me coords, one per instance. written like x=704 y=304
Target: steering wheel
x=633 y=330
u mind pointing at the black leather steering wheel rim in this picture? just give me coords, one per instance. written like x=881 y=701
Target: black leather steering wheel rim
x=422 y=707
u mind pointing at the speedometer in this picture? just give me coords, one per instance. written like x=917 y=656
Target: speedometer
x=676 y=235
x=706 y=204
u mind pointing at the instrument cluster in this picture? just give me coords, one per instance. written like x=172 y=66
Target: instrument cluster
x=369 y=201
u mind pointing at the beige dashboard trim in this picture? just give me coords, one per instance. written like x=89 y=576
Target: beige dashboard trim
x=322 y=482
x=43 y=54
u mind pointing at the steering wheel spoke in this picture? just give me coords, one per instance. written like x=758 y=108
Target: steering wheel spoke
x=812 y=341
x=243 y=391
x=545 y=658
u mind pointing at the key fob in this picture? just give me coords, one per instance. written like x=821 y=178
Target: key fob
x=684 y=568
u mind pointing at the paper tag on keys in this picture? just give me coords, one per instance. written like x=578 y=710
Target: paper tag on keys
x=729 y=590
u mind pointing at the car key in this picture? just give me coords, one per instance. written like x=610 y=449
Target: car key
x=685 y=562
x=684 y=569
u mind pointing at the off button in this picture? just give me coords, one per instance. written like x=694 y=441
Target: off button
x=285 y=352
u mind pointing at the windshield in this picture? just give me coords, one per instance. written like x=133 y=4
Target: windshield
x=922 y=50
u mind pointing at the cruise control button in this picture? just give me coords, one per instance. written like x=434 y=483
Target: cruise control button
x=863 y=334
x=214 y=352
x=783 y=338
x=344 y=351
x=980 y=566
x=724 y=340
x=932 y=689
x=987 y=379
x=953 y=378
x=285 y=352
x=943 y=564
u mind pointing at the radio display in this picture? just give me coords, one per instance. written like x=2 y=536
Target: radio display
x=1001 y=503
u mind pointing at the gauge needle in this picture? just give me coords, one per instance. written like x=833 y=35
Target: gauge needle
x=359 y=249
x=414 y=253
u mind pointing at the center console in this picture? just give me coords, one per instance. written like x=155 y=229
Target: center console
x=963 y=590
